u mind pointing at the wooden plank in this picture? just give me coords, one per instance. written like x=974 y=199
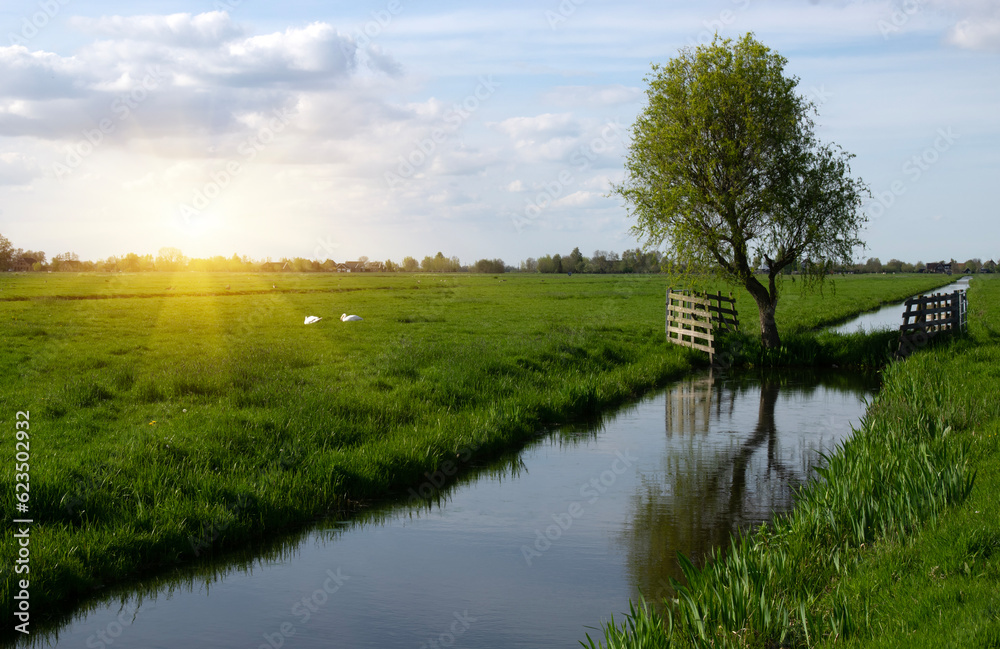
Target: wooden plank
x=929 y=311
x=683 y=309
x=939 y=297
x=943 y=326
x=691 y=332
x=693 y=308
x=935 y=325
x=924 y=299
x=683 y=333
x=947 y=299
x=701 y=348
x=688 y=332
x=688 y=298
x=697 y=327
x=690 y=316
x=689 y=326
x=689 y=294
x=935 y=319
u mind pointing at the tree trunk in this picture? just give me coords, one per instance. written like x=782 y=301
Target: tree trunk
x=767 y=302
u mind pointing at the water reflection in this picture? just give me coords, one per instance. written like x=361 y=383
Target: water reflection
x=737 y=450
x=534 y=546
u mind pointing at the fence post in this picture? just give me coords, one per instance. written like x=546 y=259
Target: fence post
x=955 y=314
x=666 y=326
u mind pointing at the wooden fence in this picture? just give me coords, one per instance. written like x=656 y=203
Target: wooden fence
x=693 y=319
x=932 y=314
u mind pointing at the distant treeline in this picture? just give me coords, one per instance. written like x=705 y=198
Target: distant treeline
x=601 y=262
x=875 y=265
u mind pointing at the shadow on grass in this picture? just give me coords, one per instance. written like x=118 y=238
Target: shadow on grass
x=814 y=349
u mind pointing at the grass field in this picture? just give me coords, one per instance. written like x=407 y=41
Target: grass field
x=174 y=416
x=898 y=545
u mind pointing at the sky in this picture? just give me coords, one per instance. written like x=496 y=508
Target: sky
x=389 y=128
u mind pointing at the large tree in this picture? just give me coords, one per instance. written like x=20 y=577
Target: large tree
x=6 y=253
x=724 y=168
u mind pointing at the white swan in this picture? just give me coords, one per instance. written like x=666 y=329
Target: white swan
x=311 y=319
x=350 y=318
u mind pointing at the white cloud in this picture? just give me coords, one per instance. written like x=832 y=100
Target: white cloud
x=576 y=199
x=981 y=34
x=317 y=48
x=208 y=74
x=528 y=130
x=41 y=75
x=177 y=30
x=593 y=96
x=16 y=169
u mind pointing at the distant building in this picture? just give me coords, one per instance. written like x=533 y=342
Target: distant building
x=989 y=267
x=275 y=266
x=939 y=267
x=375 y=266
x=23 y=264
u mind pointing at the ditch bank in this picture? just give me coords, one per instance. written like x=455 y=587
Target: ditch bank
x=905 y=512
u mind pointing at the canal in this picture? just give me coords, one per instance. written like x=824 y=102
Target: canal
x=891 y=315
x=528 y=551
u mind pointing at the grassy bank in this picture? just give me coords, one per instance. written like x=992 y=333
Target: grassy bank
x=897 y=544
x=174 y=416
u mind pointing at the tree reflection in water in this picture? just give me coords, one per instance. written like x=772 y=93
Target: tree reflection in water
x=737 y=450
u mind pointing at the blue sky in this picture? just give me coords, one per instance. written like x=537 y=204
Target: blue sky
x=394 y=128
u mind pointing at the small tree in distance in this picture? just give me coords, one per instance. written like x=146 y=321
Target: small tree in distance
x=6 y=252
x=724 y=168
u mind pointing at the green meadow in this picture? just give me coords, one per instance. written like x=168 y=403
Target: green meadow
x=176 y=416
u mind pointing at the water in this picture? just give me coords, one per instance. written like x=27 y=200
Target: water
x=890 y=316
x=526 y=552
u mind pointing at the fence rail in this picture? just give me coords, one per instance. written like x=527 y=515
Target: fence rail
x=932 y=315
x=692 y=319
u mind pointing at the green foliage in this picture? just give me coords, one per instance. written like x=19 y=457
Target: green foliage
x=489 y=266
x=440 y=264
x=724 y=169
x=6 y=252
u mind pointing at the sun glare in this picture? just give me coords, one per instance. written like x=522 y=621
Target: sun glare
x=199 y=229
